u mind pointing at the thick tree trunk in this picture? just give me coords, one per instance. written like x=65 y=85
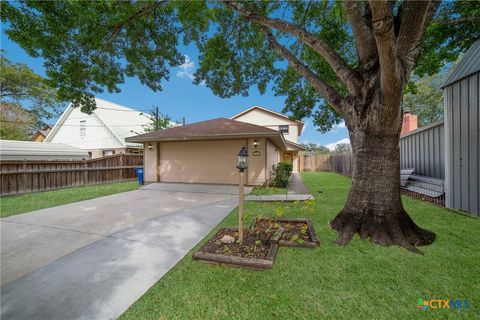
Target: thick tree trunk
x=374 y=208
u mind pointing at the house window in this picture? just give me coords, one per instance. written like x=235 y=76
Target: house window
x=83 y=128
x=108 y=152
x=283 y=129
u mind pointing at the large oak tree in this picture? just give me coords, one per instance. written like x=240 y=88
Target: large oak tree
x=332 y=60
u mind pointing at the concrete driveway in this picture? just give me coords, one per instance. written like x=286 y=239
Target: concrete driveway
x=93 y=259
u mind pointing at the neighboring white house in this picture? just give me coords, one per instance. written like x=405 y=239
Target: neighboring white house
x=103 y=132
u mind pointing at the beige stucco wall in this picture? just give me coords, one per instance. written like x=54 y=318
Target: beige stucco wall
x=273 y=156
x=295 y=162
x=294 y=159
x=256 y=164
x=272 y=121
x=208 y=161
x=200 y=161
x=150 y=162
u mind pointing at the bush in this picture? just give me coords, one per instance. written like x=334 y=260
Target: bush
x=282 y=172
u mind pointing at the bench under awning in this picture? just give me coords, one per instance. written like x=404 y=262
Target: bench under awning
x=431 y=187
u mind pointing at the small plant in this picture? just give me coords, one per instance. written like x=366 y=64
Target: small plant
x=304 y=230
x=296 y=238
x=258 y=242
x=279 y=212
x=309 y=206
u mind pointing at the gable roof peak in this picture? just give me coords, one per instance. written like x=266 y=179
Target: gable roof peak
x=119 y=120
x=298 y=122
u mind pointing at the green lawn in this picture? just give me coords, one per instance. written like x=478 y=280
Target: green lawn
x=12 y=205
x=268 y=191
x=358 y=281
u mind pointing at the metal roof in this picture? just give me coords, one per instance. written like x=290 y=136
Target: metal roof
x=469 y=64
x=28 y=150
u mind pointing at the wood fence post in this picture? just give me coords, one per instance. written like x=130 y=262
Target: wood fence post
x=85 y=173
x=121 y=165
x=24 y=176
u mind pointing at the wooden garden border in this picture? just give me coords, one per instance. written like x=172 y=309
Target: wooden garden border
x=232 y=261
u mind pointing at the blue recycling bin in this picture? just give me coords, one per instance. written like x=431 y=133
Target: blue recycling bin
x=139 y=174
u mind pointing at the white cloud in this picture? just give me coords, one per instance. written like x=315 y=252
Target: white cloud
x=341 y=125
x=332 y=145
x=187 y=69
x=337 y=127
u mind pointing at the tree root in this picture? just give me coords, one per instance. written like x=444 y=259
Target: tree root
x=385 y=230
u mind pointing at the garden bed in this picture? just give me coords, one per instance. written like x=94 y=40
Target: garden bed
x=289 y=232
x=256 y=252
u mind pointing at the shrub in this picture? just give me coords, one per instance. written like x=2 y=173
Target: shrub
x=282 y=172
x=285 y=166
x=279 y=176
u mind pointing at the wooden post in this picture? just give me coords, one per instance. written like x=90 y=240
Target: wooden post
x=85 y=173
x=121 y=165
x=24 y=177
x=240 y=208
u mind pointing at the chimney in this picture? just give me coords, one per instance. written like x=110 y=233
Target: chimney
x=410 y=122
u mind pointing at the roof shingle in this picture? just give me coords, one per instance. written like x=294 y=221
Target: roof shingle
x=219 y=128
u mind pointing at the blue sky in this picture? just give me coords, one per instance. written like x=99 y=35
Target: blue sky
x=181 y=98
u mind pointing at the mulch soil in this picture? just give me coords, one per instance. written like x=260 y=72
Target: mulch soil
x=292 y=231
x=256 y=239
x=255 y=244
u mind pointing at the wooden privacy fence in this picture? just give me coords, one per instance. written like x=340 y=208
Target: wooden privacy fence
x=19 y=177
x=342 y=163
x=315 y=162
x=336 y=162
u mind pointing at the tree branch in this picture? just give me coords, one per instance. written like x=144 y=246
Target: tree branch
x=328 y=92
x=416 y=16
x=364 y=40
x=384 y=33
x=339 y=66
x=141 y=12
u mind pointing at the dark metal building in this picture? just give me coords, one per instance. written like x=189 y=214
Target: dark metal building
x=462 y=133
x=423 y=150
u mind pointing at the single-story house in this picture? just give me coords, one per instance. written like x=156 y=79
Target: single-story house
x=206 y=152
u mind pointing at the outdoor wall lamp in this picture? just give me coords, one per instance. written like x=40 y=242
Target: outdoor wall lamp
x=150 y=146
x=242 y=164
x=255 y=143
x=242 y=159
